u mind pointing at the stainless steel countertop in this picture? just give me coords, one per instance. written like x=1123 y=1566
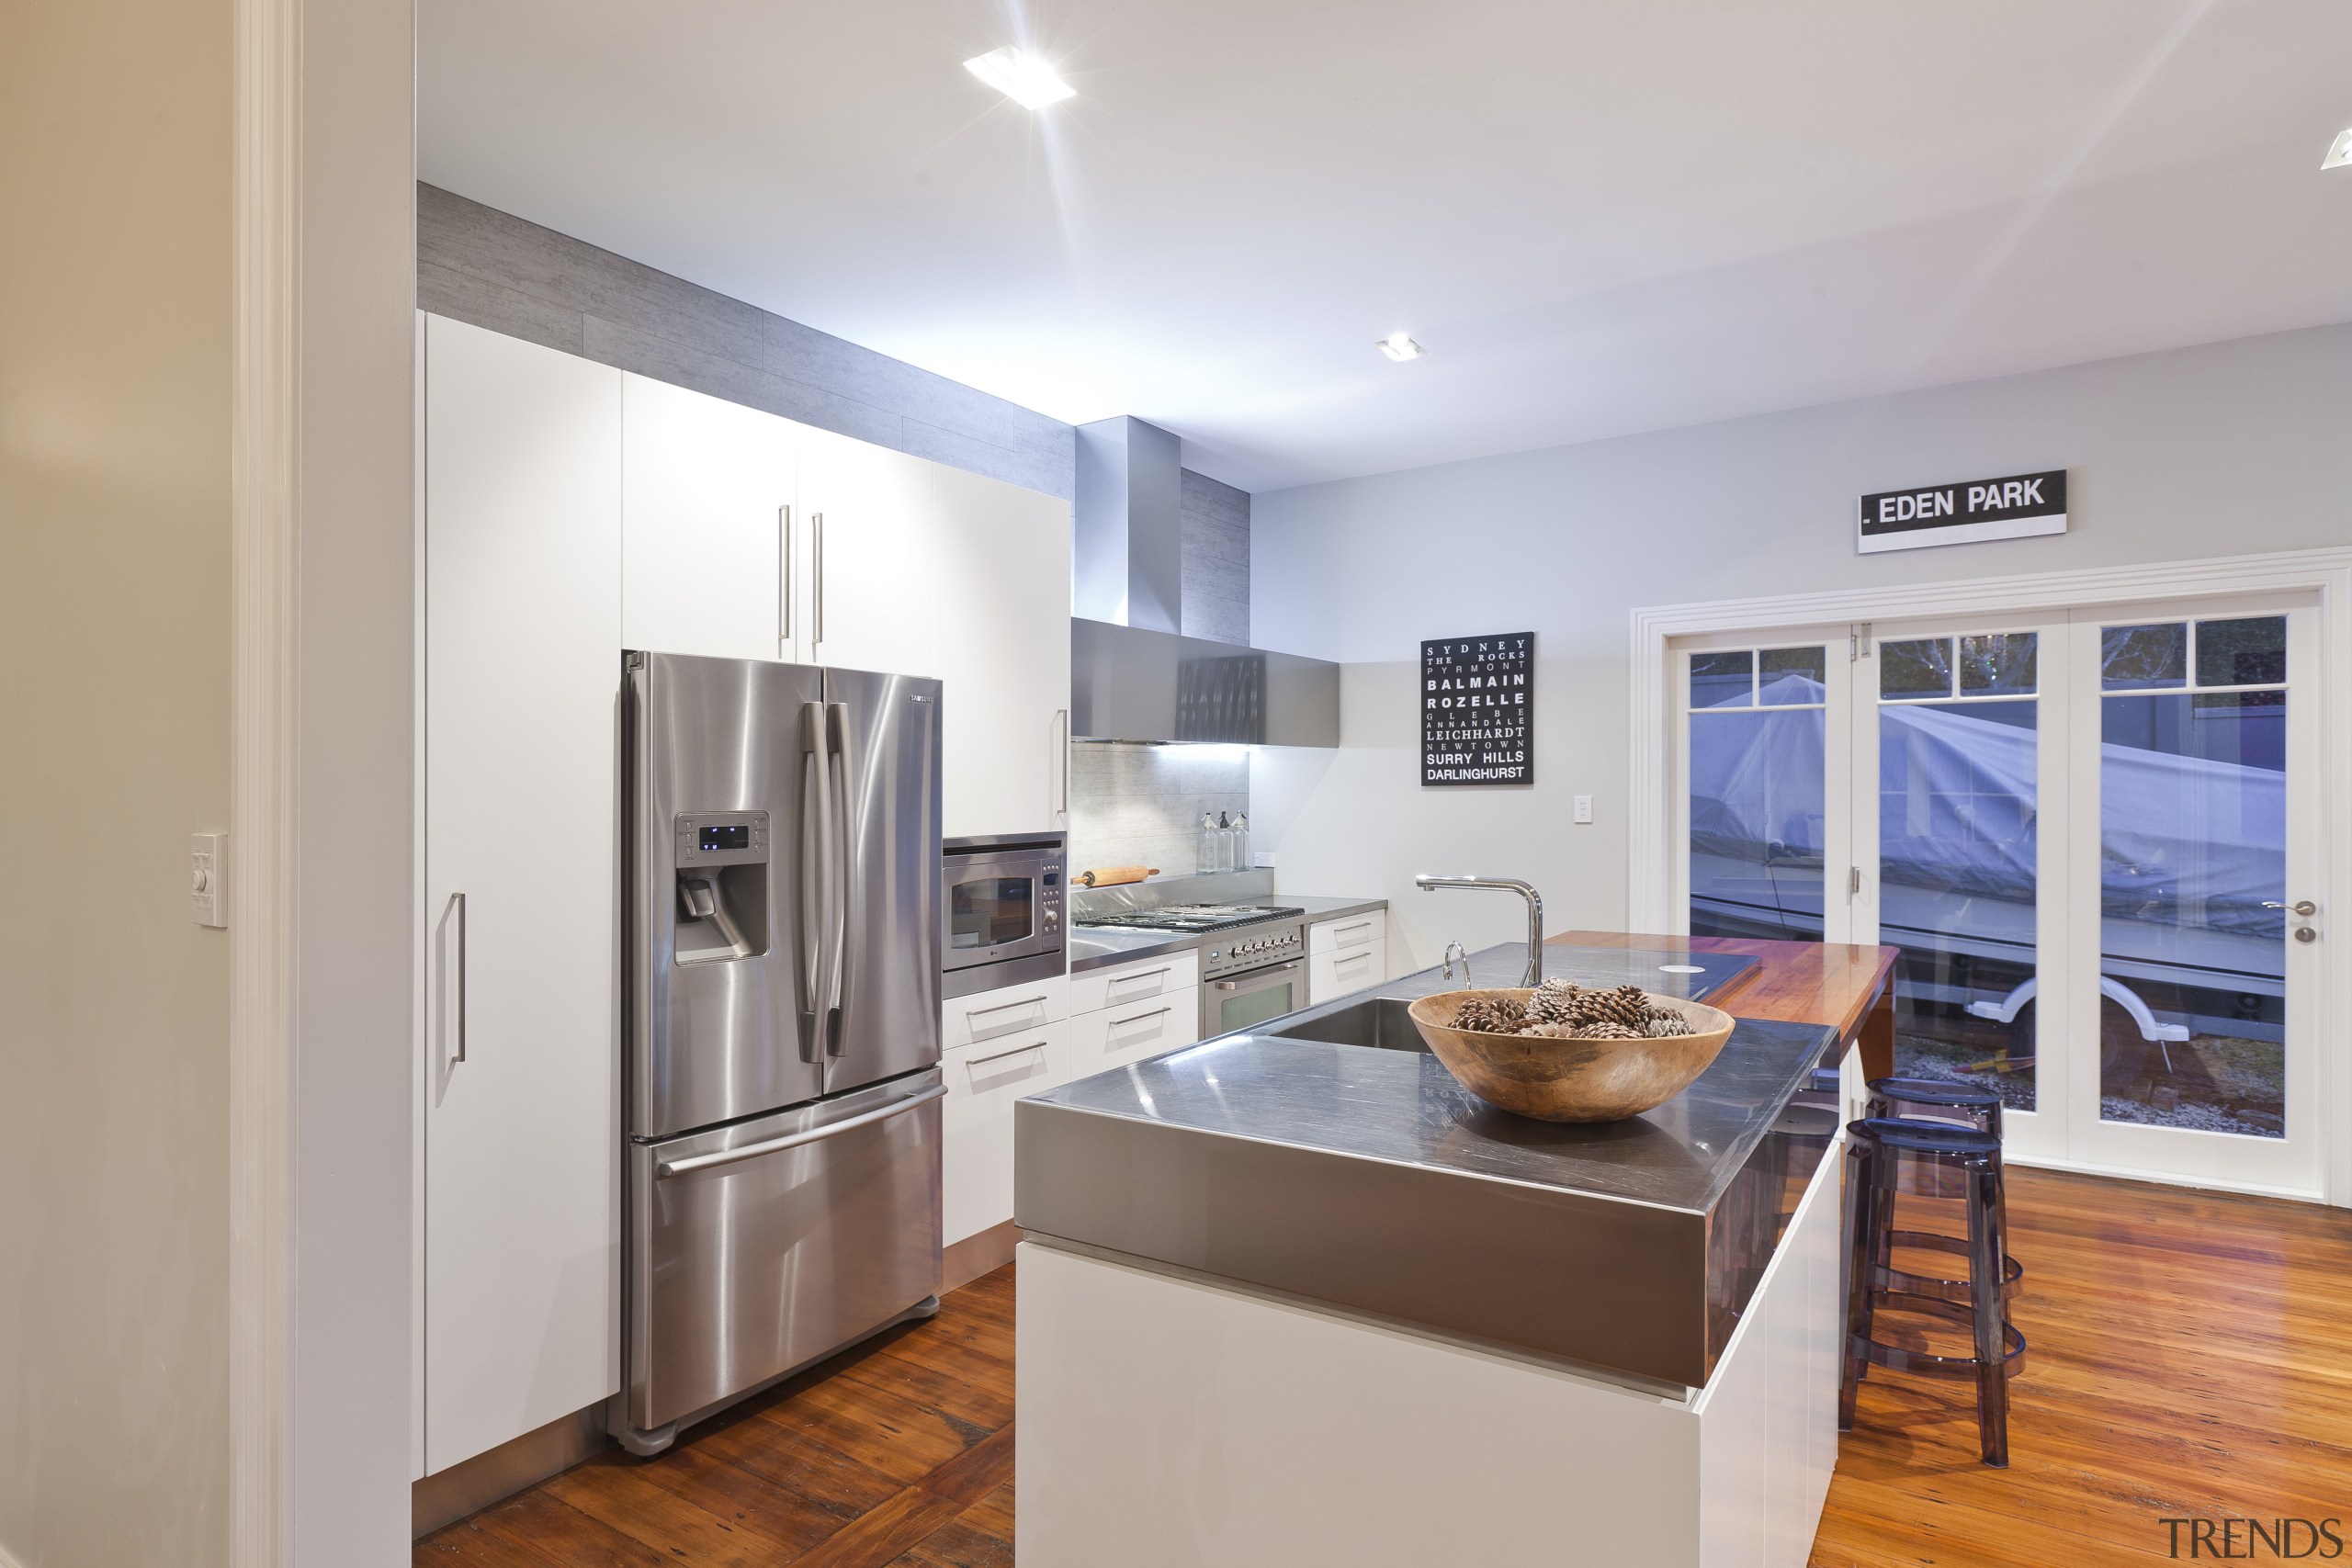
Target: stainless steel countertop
x=1371 y=1180
x=1095 y=947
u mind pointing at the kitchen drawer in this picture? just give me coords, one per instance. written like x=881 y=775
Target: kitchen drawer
x=1330 y=973
x=1112 y=1037
x=1174 y=974
x=1003 y=1012
x=975 y=1122
x=1347 y=932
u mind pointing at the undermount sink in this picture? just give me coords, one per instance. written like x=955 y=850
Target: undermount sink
x=1384 y=1023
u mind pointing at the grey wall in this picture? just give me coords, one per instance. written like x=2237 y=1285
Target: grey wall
x=1216 y=559
x=479 y=265
x=2228 y=448
x=1142 y=805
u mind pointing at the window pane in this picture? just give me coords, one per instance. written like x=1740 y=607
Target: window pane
x=2136 y=657
x=1792 y=676
x=2193 y=818
x=1959 y=890
x=2242 y=653
x=1999 y=665
x=1756 y=823
x=1723 y=679
x=1921 y=669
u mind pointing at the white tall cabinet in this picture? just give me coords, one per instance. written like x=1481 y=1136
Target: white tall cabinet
x=572 y=510
x=522 y=620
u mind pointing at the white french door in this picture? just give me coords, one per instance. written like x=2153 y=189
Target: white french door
x=2094 y=834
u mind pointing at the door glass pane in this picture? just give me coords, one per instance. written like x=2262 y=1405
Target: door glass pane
x=1999 y=664
x=2193 y=837
x=1915 y=668
x=2242 y=653
x=1792 y=676
x=1723 y=679
x=2138 y=658
x=987 y=911
x=1757 y=804
x=1958 y=886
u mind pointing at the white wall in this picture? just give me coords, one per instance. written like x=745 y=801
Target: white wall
x=2232 y=448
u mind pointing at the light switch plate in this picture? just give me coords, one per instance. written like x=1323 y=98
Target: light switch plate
x=1584 y=809
x=207 y=878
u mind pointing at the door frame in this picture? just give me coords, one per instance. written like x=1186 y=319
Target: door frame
x=2324 y=573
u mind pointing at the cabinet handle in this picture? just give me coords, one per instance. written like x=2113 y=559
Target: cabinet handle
x=976 y=1014
x=817 y=572
x=1351 y=958
x=783 y=575
x=453 y=976
x=1358 y=926
x=1061 y=762
x=1037 y=1046
x=1137 y=1018
x=1140 y=974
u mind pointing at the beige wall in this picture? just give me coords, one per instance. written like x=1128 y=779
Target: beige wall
x=113 y=556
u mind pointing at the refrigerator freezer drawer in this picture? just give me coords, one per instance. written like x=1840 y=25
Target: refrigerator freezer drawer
x=756 y=1249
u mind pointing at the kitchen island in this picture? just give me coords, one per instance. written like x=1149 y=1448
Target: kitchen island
x=1292 y=1295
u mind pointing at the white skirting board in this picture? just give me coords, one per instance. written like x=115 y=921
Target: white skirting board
x=1174 y=1422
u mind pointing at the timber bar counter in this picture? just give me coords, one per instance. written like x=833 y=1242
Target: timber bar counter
x=1843 y=986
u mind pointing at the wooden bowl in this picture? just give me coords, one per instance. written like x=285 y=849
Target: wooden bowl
x=1570 y=1080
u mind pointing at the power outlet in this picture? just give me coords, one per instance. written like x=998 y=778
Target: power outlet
x=1584 y=809
x=207 y=878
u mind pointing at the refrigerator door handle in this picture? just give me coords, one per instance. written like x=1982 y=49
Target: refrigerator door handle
x=808 y=947
x=792 y=1141
x=837 y=819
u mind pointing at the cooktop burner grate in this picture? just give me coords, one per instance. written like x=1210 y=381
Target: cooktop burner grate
x=1191 y=918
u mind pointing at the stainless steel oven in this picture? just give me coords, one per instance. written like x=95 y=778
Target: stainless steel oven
x=1252 y=975
x=1000 y=910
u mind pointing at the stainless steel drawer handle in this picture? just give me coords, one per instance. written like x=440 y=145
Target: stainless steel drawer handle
x=978 y=1013
x=1138 y=1018
x=1142 y=974
x=1358 y=926
x=1000 y=1056
x=792 y=1141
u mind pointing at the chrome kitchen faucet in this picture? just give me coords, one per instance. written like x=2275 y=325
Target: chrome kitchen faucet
x=1427 y=882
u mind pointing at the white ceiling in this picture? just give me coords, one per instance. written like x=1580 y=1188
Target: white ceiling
x=1597 y=217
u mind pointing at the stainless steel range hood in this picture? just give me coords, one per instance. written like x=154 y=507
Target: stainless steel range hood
x=1133 y=675
x=1130 y=683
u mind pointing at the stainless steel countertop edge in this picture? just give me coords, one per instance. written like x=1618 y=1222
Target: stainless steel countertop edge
x=1318 y=912
x=1553 y=1189
x=1666 y=1391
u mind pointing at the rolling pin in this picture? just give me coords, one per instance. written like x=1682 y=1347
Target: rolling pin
x=1113 y=875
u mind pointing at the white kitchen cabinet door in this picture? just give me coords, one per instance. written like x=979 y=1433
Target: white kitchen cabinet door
x=976 y=1123
x=1114 y=1037
x=1342 y=973
x=923 y=570
x=521 y=1233
x=707 y=524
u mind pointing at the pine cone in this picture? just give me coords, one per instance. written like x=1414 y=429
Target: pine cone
x=1481 y=1016
x=1560 y=1001
x=1662 y=1024
x=1551 y=1030
x=1626 y=1005
x=1606 y=1030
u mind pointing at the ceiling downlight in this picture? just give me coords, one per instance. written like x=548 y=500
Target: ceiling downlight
x=1401 y=347
x=2339 y=154
x=1020 y=76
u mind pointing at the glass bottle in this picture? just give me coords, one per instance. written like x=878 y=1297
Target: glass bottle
x=1208 y=855
x=1241 y=861
x=1224 y=842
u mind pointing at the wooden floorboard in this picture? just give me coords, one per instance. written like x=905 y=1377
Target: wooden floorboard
x=2191 y=1357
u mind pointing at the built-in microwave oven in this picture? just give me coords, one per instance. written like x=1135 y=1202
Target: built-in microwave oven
x=1000 y=911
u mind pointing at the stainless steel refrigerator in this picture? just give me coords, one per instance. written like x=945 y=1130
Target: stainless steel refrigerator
x=781 y=997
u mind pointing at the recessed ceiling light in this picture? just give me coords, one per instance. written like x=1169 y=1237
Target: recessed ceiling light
x=1401 y=347
x=2339 y=154
x=1020 y=76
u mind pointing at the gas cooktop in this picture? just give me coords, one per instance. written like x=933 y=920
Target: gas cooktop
x=1191 y=918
